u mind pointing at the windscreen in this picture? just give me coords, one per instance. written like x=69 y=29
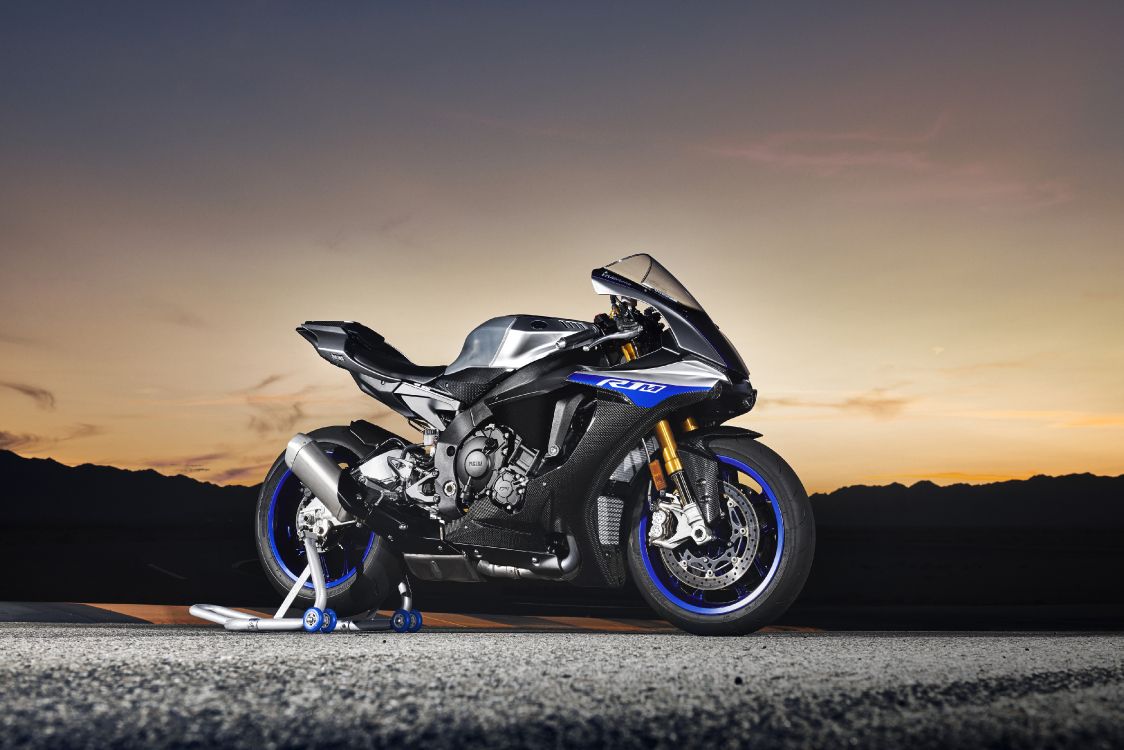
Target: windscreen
x=647 y=271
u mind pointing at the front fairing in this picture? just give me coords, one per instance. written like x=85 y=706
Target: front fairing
x=690 y=326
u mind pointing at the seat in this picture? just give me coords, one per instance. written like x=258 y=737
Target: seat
x=371 y=351
x=344 y=342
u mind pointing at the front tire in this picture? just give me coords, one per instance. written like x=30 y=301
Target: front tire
x=360 y=574
x=779 y=568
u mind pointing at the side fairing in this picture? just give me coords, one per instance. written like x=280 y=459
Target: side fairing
x=651 y=386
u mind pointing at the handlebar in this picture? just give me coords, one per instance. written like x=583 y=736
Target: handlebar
x=626 y=331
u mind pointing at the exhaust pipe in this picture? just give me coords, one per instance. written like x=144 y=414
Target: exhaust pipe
x=554 y=570
x=322 y=476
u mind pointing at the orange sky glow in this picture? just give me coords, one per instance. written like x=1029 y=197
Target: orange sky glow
x=910 y=221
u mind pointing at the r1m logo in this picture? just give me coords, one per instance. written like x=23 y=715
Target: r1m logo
x=630 y=385
x=642 y=393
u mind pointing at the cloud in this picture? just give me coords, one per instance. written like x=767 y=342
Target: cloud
x=83 y=430
x=829 y=153
x=272 y=418
x=925 y=178
x=18 y=441
x=43 y=398
x=264 y=383
x=170 y=312
x=391 y=223
x=194 y=464
x=951 y=477
x=1107 y=419
x=254 y=473
x=1060 y=418
x=389 y=227
x=8 y=338
x=970 y=369
x=874 y=403
x=33 y=443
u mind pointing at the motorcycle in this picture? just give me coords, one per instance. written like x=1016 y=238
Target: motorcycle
x=587 y=453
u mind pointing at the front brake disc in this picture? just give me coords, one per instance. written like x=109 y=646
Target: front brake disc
x=719 y=564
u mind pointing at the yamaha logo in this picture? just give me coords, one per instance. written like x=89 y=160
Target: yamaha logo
x=620 y=384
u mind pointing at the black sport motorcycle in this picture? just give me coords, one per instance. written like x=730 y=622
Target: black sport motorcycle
x=551 y=450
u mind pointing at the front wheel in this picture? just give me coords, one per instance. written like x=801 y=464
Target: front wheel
x=749 y=576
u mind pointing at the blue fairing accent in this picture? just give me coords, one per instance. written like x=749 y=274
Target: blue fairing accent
x=676 y=599
x=277 y=554
x=642 y=393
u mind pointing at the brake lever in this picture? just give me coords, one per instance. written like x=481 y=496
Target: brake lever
x=632 y=331
x=572 y=340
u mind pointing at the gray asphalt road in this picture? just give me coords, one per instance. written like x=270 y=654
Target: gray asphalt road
x=149 y=686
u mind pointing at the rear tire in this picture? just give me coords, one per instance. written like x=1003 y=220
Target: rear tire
x=355 y=588
x=775 y=590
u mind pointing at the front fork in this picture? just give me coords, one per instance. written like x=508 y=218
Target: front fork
x=688 y=510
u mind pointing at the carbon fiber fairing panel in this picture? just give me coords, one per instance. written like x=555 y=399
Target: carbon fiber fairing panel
x=615 y=430
x=469 y=384
x=565 y=498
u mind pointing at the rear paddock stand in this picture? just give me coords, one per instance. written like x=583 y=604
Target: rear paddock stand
x=317 y=618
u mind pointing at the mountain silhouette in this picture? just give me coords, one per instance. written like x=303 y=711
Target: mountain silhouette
x=97 y=533
x=1040 y=541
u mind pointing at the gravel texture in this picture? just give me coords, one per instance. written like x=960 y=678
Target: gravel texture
x=149 y=686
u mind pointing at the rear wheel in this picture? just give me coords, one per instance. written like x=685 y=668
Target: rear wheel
x=753 y=572
x=360 y=570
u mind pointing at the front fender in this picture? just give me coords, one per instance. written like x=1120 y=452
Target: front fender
x=701 y=438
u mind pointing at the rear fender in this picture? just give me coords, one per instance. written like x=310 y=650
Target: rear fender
x=371 y=435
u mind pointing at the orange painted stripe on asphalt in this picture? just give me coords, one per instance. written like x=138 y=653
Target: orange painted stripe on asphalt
x=790 y=629
x=458 y=621
x=598 y=623
x=164 y=614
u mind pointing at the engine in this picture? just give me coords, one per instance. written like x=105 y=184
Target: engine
x=494 y=463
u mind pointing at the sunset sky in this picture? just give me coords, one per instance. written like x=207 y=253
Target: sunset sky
x=909 y=219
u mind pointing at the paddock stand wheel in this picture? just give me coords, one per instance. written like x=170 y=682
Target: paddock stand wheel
x=317 y=618
x=313 y=620
x=400 y=621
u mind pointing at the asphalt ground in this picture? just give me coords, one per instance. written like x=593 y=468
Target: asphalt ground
x=126 y=685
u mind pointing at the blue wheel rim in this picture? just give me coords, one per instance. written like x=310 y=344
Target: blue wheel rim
x=288 y=550
x=674 y=594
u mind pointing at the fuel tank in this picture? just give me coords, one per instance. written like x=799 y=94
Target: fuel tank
x=514 y=341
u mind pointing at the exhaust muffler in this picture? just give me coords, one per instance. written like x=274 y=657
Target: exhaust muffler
x=323 y=477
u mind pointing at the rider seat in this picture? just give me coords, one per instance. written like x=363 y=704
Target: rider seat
x=339 y=341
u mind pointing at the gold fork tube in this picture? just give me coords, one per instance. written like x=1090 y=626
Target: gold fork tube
x=668 y=448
